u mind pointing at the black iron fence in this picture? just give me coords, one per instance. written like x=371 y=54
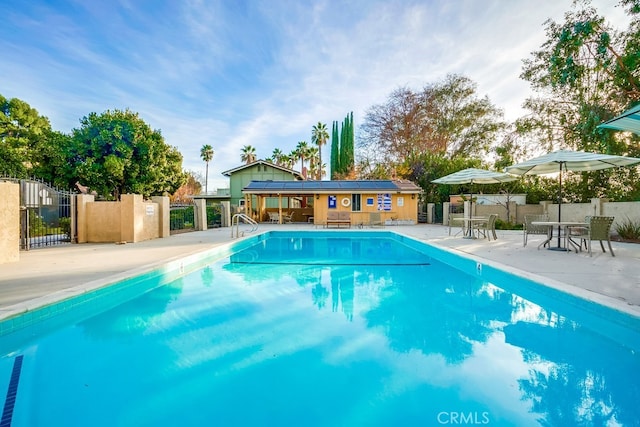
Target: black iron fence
x=182 y=217
x=47 y=214
x=214 y=216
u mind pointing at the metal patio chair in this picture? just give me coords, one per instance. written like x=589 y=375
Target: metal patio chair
x=599 y=229
x=287 y=217
x=452 y=216
x=534 y=229
x=488 y=228
x=273 y=217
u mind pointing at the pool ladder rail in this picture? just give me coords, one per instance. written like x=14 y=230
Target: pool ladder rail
x=235 y=225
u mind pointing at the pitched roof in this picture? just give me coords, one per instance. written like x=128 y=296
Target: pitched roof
x=362 y=186
x=297 y=174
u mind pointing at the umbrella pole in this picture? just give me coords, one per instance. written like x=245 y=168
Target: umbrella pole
x=560 y=210
x=560 y=204
x=470 y=230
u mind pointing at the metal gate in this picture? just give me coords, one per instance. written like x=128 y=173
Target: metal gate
x=438 y=215
x=214 y=216
x=182 y=217
x=47 y=215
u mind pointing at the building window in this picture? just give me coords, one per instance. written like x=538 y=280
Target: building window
x=355 y=203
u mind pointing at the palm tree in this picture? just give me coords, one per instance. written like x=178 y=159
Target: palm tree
x=313 y=162
x=277 y=156
x=302 y=152
x=289 y=160
x=206 y=153
x=319 y=136
x=322 y=170
x=248 y=154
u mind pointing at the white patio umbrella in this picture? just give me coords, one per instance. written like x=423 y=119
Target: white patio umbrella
x=628 y=121
x=475 y=176
x=568 y=160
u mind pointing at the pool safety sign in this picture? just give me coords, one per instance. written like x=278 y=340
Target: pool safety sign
x=384 y=202
x=333 y=202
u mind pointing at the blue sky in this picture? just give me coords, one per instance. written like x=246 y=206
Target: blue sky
x=230 y=73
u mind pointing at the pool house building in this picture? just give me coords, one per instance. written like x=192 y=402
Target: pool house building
x=392 y=201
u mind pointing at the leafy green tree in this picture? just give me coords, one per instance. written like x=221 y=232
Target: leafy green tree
x=51 y=161
x=116 y=152
x=425 y=167
x=23 y=133
x=319 y=137
x=248 y=154
x=206 y=154
x=585 y=73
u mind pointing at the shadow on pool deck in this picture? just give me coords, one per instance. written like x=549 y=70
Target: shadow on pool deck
x=614 y=281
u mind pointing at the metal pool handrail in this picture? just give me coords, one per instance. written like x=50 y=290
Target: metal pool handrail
x=235 y=221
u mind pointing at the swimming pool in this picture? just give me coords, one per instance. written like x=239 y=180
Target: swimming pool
x=323 y=328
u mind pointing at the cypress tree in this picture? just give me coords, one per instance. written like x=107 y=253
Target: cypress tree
x=347 y=160
x=342 y=143
x=335 y=150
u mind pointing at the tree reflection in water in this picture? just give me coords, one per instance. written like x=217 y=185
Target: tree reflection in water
x=575 y=376
x=588 y=377
x=133 y=316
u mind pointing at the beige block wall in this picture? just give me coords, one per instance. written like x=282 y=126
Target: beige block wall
x=139 y=220
x=200 y=214
x=10 y=220
x=82 y=200
x=163 y=215
x=103 y=222
x=130 y=220
x=147 y=220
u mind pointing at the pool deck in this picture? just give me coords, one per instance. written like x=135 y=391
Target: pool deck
x=41 y=275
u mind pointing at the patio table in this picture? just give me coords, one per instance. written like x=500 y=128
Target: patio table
x=469 y=222
x=561 y=225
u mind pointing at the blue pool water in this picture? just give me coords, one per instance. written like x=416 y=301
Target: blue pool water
x=327 y=329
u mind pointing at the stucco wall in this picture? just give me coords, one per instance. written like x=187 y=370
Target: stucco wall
x=147 y=213
x=102 y=222
x=163 y=215
x=10 y=220
x=516 y=212
x=621 y=211
x=130 y=220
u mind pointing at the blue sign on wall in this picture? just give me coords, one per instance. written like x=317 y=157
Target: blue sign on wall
x=384 y=202
x=333 y=202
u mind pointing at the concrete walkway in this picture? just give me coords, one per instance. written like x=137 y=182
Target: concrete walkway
x=613 y=281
